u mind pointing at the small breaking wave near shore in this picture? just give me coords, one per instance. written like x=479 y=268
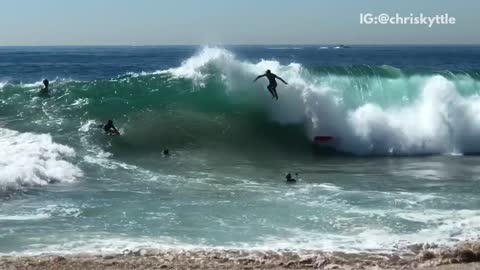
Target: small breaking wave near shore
x=462 y=256
x=34 y=159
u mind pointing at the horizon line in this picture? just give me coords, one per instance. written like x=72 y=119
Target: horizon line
x=245 y=44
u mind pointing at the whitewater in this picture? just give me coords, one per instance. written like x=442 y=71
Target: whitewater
x=402 y=172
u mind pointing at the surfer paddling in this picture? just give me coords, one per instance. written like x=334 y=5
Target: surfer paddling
x=272 y=86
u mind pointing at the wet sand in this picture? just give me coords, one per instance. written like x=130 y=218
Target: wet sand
x=463 y=256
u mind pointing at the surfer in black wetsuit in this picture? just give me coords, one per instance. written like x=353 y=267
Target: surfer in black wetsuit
x=110 y=129
x=290 y=179
x=272 y=87
x=44 y=90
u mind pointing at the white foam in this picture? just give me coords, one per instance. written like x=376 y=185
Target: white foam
x=192 y=68
x=23 y=217
x=80 y=102
x=99 y=244
x=439 y=120
x=29 y=159
x=326 y=186
x=34 y=86
x=87 y=125
x=103 y=159
x=446 y=227
x=2 y=84
x=62 y=210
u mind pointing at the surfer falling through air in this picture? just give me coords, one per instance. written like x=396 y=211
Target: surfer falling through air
x=272 y=86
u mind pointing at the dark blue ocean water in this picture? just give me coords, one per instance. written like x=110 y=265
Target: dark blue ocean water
x=29 y=64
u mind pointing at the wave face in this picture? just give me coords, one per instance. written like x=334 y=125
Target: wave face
x=210 y=99
x=370 y=110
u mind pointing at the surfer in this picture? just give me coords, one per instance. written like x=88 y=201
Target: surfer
x=166 y=153
x=290 y=179
x=110 y=129
x=272 y=86
x=44 y=90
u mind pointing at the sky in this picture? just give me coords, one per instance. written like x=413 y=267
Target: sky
x=203 y=22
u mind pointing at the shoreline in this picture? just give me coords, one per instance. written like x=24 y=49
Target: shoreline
x=463 y=256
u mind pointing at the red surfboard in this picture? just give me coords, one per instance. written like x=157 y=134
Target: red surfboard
x=323 y=139
x=325 y=142
x=326 y=145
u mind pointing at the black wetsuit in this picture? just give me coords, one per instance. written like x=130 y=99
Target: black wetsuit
x=44 y=91
x=290 y=179
x=107 y=128
x=272 y=86
x=110 y=129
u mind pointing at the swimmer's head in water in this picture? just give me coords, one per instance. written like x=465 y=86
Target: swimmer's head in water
x=110 y=122
x=45 y=82
x=268 y=71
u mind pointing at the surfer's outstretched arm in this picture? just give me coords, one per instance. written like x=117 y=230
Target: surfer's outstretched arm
x=281 y=79
x=259 y=77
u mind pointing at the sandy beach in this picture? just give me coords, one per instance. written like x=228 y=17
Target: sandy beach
x=463 y=256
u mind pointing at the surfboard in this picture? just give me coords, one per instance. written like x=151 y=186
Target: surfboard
x=324 y=139
x=327 y=145
x=113 y=134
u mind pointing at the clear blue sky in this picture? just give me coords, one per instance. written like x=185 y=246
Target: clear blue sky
x=170 y=22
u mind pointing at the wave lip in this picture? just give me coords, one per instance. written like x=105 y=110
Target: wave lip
x=30 y=159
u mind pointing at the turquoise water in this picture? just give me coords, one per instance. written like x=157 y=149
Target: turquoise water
x=404 y=171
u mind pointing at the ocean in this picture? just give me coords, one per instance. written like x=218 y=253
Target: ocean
x=403 y=169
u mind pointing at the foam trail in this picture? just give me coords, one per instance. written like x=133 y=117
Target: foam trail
x=30 y=159
x=429 y=117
